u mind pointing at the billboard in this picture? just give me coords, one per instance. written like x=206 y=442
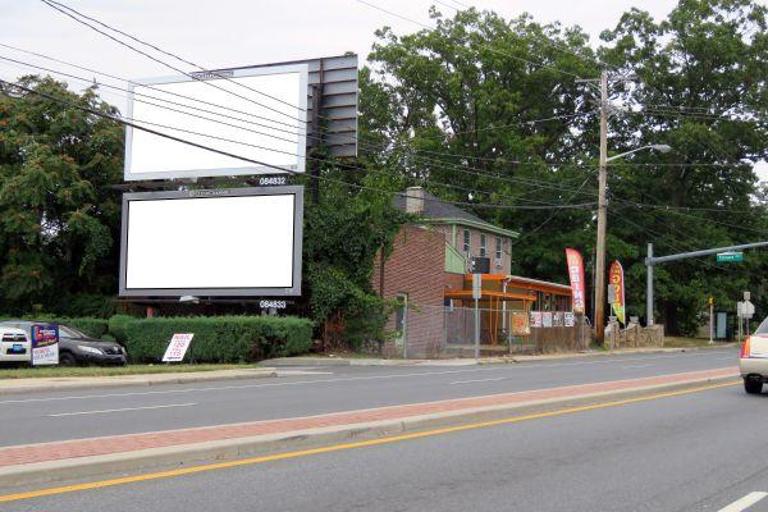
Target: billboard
x=258 y=113
x=222 y=242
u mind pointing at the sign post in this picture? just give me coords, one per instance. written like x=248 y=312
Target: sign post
x=711 y=302
x=177 y=348
x=477 y=292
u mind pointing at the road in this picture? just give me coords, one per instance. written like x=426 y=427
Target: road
x=695 y=452
x=43 y=417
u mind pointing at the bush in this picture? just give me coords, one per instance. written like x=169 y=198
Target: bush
x=225 y=339
x=117 y=327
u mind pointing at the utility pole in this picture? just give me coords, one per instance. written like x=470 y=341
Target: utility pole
x=601 y=213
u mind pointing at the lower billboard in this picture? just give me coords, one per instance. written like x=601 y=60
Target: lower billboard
x=221 y=242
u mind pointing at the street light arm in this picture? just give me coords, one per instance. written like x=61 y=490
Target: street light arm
x=659 y=147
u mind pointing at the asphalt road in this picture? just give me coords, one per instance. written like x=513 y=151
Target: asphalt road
x=42 y=417
x=697 y=452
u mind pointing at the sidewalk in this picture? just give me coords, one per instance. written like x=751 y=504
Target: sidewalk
x=10 y=386
x=35 y=463
x=320 y=360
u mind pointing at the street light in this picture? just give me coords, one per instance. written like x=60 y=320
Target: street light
x=602 y=220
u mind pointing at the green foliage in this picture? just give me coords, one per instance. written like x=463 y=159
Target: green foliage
x=228 y=339
x=58 y=215
x=117 y=327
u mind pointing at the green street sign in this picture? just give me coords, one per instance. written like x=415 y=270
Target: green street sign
x=730 y=257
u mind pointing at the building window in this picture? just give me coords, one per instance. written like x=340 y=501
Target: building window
x=466 y=241
x=482 y=246
x=498 y=247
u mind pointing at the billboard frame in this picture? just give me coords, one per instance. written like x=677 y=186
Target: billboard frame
x=298 y=226
x=301 y=129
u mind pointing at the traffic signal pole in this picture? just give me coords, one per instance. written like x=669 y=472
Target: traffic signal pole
x=652 y=260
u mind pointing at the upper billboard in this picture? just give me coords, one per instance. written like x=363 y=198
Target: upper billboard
x=222 y=242
x=257 y=113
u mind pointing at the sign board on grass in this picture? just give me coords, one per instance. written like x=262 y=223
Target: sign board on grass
x=45 y=344
x=177 y=348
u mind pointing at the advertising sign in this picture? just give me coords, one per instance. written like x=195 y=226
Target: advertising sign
x=576 y=274
x=569 y=319
x=536 y=319
x=616 y=280
x=45 y=344
x=546 y=319
x=520 y=324
x=177 y=348
x=221 y=242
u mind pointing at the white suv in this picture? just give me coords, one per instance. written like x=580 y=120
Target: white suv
x=14 y=345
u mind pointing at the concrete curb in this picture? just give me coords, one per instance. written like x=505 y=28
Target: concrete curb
x=286 y=362
x=199 y=453
x=15 y=386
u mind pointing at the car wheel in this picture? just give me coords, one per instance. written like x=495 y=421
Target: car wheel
x=753 y=386
x=67 y=359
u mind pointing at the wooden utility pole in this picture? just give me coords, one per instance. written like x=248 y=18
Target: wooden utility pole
x=601 y=213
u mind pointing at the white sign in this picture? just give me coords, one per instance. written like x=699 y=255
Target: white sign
x=177 y=348
x=218 y=110
x=570 y=319
x=214 y=245
x=45 y=344
x=745 y=309
x=477 y=286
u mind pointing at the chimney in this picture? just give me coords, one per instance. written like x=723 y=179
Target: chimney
x=414 y=200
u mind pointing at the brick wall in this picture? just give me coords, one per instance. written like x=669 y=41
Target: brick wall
x=490 y=244
x=416 y=268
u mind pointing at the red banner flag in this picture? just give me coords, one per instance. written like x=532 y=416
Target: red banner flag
x=618 y=302
x=576 y=273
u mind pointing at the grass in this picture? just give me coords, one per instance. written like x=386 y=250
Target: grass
x=105 y=371
x=681 y=342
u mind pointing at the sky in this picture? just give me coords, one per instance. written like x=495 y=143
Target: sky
x=228 y=33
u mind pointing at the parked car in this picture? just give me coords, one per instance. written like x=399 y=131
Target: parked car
x=753 y=359
x=14 y=345
x=76 y=347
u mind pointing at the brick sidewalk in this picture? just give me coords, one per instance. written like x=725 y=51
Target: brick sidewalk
x=60 y=450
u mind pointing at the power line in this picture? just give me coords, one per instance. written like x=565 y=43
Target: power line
x=260 y=163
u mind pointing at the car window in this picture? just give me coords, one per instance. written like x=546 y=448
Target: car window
x=69 y=332
x=762 y=328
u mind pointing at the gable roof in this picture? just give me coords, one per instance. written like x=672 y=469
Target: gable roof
x=437 y=211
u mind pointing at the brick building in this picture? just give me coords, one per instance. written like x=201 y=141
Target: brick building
x=426 y=274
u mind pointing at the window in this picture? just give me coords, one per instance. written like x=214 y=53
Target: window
x=498 y=248
x=483 y=251
x=466 y=241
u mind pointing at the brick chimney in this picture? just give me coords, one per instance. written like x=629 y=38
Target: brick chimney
x=414 y=200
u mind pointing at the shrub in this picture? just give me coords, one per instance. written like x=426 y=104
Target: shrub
x=117 y=327
x=226 y=339
x=93 y=327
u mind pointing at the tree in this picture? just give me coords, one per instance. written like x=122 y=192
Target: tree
x=59 y=218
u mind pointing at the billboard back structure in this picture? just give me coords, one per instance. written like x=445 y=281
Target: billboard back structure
x=222 y=110
x=212 y=243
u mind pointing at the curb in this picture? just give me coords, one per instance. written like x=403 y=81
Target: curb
x=220 y=450
x=286 y=362
x=103 y=382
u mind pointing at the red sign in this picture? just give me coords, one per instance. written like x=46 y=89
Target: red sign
x=576 y=273
x=618 y=302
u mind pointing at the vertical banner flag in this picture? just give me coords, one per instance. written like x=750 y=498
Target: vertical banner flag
x=616 y=279
x=576 y=273
x=45 y=344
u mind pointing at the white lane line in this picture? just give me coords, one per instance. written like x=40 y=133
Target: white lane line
x=516 y=367
x=745 y=502
x=478 y=380
x=636 y=366
x=124 y=409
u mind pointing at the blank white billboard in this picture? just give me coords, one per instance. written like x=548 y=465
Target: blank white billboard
x=255 y=113
x=245 y=242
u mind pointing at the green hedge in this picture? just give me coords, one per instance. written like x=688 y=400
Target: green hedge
x=93 y=327
x=225 y=339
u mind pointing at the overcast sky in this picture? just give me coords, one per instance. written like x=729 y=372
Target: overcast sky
x=224 y=33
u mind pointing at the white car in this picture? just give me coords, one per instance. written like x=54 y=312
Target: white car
x=14 y=345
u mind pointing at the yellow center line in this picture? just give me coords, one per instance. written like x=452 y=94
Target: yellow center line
x=344 y=446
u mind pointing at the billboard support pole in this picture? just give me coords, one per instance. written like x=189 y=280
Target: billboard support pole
x=317 y=97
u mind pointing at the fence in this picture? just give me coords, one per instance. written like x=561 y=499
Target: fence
x=432 y=331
